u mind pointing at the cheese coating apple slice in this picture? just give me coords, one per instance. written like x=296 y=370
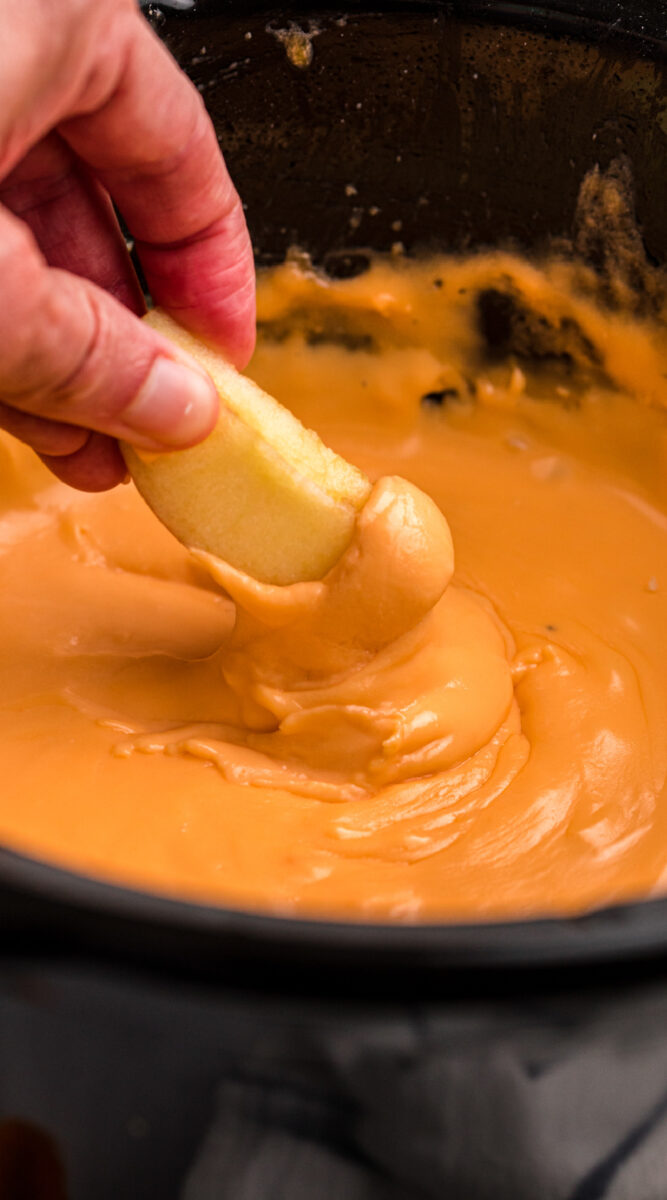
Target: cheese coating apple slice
x=262 y=492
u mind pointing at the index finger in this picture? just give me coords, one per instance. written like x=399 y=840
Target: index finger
x=152 y=144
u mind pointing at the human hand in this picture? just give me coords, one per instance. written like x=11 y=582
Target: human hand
x=92 y=107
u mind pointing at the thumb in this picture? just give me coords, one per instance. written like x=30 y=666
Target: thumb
x=72 y=354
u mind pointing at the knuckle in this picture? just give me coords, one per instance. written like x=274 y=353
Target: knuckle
x=76 y=374
x=23 y=283
x=48 y=340
x=17 y=244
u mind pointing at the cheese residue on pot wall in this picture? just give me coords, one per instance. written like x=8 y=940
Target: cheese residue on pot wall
x=167 y=722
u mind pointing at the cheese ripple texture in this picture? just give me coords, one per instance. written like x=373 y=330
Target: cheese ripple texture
x=466 y=718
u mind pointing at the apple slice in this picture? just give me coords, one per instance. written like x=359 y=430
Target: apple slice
x=262 y=492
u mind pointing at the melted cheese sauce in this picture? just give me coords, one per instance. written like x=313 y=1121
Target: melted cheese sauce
x=416 y=737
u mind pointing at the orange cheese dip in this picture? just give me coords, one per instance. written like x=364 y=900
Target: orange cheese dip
x=427 y=733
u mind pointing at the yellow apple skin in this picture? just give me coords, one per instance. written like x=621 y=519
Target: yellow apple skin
x=262 y=492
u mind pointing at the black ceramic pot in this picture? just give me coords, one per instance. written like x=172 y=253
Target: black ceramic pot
x=172 y=1050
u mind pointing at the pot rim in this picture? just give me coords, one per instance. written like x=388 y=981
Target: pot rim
x=642 y=23
x=56 y=912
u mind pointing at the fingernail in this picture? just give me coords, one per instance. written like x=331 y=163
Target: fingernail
x=175 y=407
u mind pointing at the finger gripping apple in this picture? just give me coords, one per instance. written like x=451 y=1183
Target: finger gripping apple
x=263 y=493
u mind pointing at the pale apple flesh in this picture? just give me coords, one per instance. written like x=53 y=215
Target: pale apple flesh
x=262 y=492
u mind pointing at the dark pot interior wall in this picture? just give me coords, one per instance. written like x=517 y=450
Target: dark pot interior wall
x=452 y=130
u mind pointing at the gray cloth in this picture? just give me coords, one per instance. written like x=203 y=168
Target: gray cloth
x=561 y=1102
x=154 y=1090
